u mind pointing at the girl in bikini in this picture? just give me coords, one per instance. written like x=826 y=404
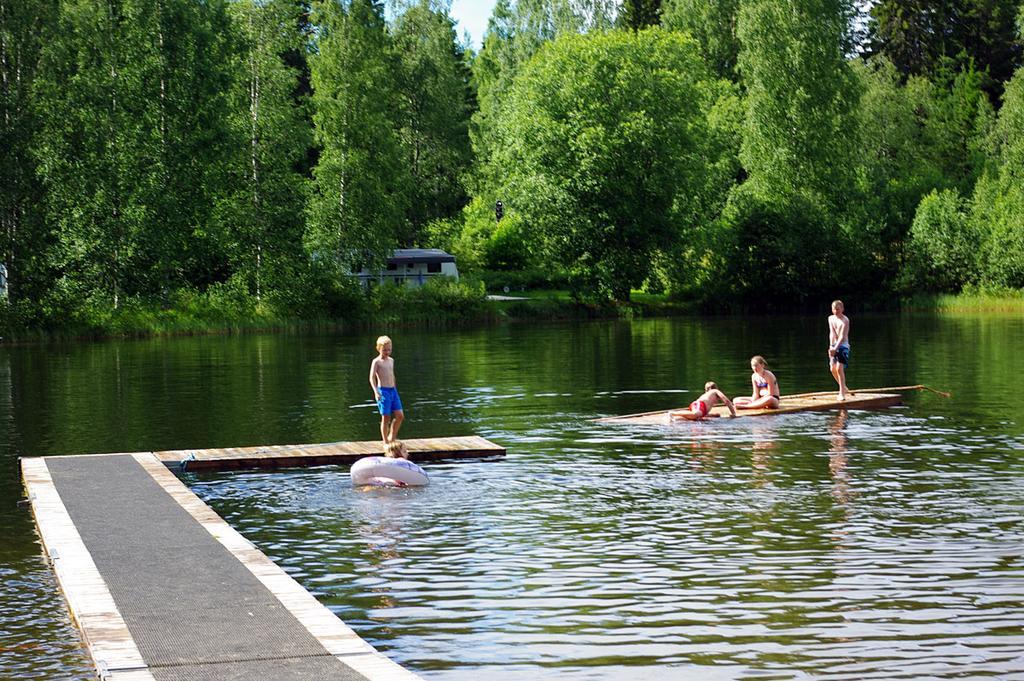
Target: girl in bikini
x=766 y=389
x=700 y=408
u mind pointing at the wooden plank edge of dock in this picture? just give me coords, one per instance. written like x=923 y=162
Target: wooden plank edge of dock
x=335 y=636
x=104 y=632
x=283 y=456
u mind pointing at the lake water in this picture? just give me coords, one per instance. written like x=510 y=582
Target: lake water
x=833 y=545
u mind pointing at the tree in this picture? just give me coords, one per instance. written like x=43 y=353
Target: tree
x=998 y=202
x=923 y=36
x=713 y=24
x=97 y=126
x=801 y=95
x=944 y=244
x=132 y=139
x=638 y=14
x=515 y=32
x=786 y=220
x=602 y=144
x=262 y=209
x=359 y=197
x=434 y=90
x=24 y=236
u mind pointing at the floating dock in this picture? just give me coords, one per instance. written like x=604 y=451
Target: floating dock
x=162 y=589
x=276 y=456
x=788 y=404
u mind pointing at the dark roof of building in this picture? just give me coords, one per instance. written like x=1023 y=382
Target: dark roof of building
x=415 y=255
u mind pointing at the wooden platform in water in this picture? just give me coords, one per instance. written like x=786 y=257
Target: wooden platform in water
x=788 y=404
x=277 y=456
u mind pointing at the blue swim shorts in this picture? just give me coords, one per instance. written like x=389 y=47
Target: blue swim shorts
x=389 y=401
x=842 y=355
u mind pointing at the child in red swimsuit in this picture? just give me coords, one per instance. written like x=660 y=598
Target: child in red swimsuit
x=700 y=408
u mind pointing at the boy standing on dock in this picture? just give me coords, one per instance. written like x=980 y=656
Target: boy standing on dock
x=839 y=346
x=382 y=380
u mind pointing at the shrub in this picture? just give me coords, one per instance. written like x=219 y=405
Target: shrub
x=942 y=254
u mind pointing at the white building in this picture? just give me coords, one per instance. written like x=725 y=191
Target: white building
x=411 y=267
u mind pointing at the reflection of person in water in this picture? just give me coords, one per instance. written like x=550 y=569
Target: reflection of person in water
x=837 y=458
x=764 y=444
x=378 y=524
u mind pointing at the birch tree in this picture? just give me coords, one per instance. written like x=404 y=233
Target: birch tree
x=359 y=197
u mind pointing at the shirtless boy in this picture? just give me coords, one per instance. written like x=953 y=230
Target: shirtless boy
x=382 y=380
x=839 y=346
x=700 y=408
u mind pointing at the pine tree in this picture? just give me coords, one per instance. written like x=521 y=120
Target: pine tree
x=637 y=14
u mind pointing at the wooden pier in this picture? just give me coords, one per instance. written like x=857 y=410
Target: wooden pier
x=162 y=589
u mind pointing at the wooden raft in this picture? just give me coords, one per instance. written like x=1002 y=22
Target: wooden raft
x=788 y=404
x=276 y=456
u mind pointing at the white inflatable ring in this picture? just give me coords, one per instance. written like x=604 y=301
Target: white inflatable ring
x=387 y=472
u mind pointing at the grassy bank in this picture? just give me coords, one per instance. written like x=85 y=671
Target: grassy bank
x=440 y=302
x=1003 y=301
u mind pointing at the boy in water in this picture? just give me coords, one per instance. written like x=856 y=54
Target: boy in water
x=700 y=408
x=382 y=380
x=839 y=346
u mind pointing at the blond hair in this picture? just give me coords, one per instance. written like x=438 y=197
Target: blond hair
x=710 y=385
x=396 y=449
x=839 y=303
x=382 y=341
x=759 y=360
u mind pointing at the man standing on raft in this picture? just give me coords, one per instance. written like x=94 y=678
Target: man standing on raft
x=839 y=346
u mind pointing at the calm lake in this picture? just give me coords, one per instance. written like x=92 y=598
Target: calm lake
x=833 y=545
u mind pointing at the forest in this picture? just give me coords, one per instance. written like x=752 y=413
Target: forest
x=247 y=154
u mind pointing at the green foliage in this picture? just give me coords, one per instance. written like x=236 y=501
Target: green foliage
x=440 y=298
x=713 y=24
x=942 y=254
x=515 y=32
x=24 y=235
x=524 y=279
x=175 y=163
x=999 y=196
x=262 y=209
x=131 y=146
x=911 y=139
x=509 y=245
x=923 y=37
x=359 y=200
x=433 y=86
x=603 y=139
x=638 y=14
x=775 y=248
x=801 y=95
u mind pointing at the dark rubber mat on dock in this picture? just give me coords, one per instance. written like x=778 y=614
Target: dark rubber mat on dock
x=186 y=600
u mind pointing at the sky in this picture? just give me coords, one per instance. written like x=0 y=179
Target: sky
x=472 y=16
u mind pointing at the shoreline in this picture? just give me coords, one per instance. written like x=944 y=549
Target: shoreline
x=535 y=306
